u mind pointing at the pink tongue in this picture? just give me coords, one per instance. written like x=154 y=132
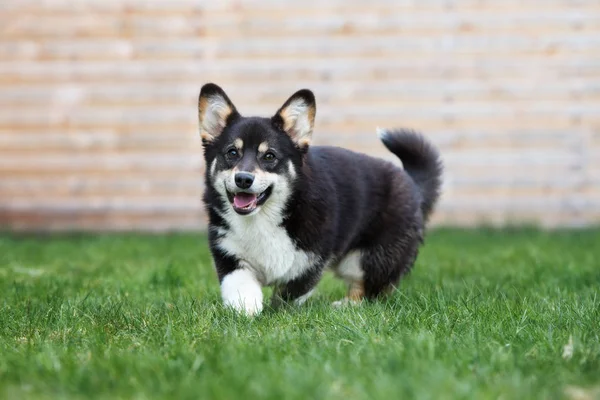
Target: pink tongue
x=242 y=200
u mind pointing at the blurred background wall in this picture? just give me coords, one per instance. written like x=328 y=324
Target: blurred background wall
x=98 y=100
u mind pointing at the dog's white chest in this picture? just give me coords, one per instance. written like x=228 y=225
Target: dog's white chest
x=267 y=248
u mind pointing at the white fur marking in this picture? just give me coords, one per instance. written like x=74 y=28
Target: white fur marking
x=242 y=291
x=297 y=122
x=213 y=167
x=302 y=299
x=225 y=181
x=292 y=170
x=345 y=302
x=258 y=238
x=266 y=246
x=349 y=268
x=381 y=133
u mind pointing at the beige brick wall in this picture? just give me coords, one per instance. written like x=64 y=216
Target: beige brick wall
x=98 y=100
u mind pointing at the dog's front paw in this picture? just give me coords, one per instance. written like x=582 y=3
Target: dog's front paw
x=246 y=306
x=242 y=292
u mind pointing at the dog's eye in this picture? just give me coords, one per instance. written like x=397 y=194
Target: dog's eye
x=269 y=157
x=232 y=153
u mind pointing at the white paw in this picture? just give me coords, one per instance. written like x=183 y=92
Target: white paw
x=302 y=299
x=345 y=302
x=246 y=306
x=241 y=291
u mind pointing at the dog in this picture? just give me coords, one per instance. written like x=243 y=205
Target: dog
x=281 y=211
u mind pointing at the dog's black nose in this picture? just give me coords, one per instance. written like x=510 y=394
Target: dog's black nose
x=244 y=180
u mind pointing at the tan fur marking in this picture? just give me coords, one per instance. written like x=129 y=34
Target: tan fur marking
x=303 y=143
x=356 y=291
x=311 y=115
x=263 y=147
x=212 y=115
x=205 y=136
x=297 y=122
x=238 y=143
x=202 y=105
x=288 y=122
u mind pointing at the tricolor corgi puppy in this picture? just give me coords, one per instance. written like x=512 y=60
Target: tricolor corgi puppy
x=282 y=211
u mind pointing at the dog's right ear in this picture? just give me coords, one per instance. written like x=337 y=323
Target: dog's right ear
x=215 y=111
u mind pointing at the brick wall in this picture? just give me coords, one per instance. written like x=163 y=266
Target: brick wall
x=98 y=100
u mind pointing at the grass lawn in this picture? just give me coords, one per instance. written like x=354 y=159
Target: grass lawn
x=484 y=314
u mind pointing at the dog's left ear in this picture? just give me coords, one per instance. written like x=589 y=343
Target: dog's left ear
x=215 y=111
x=297 y=117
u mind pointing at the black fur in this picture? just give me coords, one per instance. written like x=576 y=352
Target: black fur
x=346 y=201
x=422 y=162
x=341 y=201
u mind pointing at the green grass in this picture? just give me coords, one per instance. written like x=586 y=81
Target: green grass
x=484 y=314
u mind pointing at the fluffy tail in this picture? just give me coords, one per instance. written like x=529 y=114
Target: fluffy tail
x=420 y=159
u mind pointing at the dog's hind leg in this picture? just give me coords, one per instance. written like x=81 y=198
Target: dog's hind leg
x=386 y=262
x=356 y=293
x=350 y=270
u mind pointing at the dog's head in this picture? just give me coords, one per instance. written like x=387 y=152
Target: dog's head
x=252 y=162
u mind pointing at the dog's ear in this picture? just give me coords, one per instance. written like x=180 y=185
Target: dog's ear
x=297 y=117
x=215 y=111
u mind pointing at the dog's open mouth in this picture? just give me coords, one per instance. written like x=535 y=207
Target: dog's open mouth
x=244 y=203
